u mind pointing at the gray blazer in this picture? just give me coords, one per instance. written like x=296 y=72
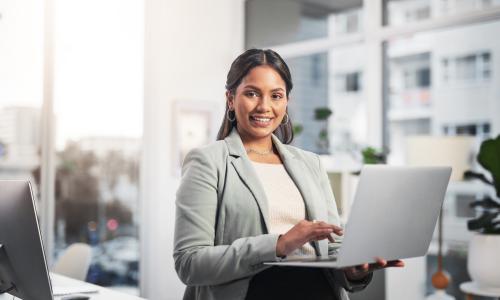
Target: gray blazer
x=221 y=226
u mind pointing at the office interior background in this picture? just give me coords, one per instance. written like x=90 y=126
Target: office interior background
x=100 y=101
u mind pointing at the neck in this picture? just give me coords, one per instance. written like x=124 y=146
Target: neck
x=260 y=144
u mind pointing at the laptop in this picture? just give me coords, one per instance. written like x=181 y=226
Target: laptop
x=393 y=216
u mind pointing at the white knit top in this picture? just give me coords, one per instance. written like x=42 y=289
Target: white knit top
x=286 y=205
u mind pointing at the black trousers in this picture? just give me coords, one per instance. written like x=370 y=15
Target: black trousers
x=290 y=283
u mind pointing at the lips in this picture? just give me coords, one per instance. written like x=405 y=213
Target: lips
x=261 y=121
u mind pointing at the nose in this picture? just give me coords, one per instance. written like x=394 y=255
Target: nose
x=264 y=104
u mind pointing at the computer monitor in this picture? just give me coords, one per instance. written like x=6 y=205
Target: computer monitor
x=23 y=269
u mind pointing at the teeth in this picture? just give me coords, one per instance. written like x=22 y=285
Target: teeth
x=261 y=119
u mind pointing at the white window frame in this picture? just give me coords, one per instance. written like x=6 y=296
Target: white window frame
x=374 y=36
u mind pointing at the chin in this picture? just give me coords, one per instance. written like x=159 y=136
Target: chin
x=261 y=133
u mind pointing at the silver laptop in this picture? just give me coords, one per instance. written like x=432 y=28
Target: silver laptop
x=393 y=216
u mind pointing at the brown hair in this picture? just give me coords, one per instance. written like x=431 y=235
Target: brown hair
x=240 y=67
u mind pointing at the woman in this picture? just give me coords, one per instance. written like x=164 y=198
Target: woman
x=250 y=198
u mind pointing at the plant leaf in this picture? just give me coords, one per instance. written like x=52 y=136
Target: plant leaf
x=322 y=113
x=493 y=228
x=484 y=221
x=473 y=175
x=485 y=203
x=489 y=158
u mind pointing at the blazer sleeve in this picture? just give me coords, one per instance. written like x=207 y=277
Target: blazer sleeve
x=197 y=260
x=337 y=275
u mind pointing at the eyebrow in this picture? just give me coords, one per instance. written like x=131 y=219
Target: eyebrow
x=256 y=88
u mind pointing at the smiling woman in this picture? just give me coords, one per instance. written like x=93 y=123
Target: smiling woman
x=251 y=198
x=257 y=90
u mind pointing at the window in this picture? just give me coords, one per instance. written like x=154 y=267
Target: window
x=432 y=50
x=21 y=61
x=448 y=7
x=473 y=67
x=98 y=108
x=348 y=22
x=310 y=92
x=410 y=77
x=481 y=130
x=405 y=12
x=348 y=82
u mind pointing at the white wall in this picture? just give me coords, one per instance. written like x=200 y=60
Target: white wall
x=406 y=283
x=189 y=46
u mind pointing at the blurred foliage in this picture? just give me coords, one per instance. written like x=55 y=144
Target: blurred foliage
x=373 y=156
x=297 y=129
x=489 y=158
x=322 y=113
x=82 y=179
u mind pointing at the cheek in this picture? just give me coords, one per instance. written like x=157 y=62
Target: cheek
x=243 y=108
x=281 y=109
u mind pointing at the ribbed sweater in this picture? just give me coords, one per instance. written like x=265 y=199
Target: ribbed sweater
x=285 y=203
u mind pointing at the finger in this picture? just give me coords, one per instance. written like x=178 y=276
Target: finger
x=396 y=263
x=381 y=262
x=320 y=237
x=363 y=268
x=322 y=232
x=331 y=239
x=318 y=234
x=393 y=263
x=336 y=229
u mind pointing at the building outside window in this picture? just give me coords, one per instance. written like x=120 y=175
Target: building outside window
x=453 y=74
x=98 y=125
x=98 y=111
x=21 y=91
x=437 y=80
x=468 y=68
x=348 y=82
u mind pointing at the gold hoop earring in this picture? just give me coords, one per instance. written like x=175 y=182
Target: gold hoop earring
x=229 y=118
x=287 y=119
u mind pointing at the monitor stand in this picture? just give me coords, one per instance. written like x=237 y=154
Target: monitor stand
x=7 y=277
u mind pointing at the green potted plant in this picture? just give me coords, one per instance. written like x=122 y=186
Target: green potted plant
x=322 y=114
x=373 y=156
x=484 y=248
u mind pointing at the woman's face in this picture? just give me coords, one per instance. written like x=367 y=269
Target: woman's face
x=259 y=103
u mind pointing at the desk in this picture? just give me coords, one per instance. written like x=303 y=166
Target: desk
x=470 y=289
x=103 y=294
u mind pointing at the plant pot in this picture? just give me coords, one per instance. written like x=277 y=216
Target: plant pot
x=483 y=261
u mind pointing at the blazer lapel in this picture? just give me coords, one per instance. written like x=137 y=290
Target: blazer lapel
x=247 y=174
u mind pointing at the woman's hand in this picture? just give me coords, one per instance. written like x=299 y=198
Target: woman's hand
x=304 y=232
x=359 y=272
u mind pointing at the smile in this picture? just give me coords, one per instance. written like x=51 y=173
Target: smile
x=260 y=121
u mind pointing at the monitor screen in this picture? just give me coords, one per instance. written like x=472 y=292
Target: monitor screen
x=23 y=269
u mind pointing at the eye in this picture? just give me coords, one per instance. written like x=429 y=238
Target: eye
x=277 y=96
x=251 y=94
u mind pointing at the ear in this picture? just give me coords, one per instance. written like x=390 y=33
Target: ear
x=230 y=100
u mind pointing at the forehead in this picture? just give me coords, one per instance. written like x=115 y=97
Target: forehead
x=263 y=77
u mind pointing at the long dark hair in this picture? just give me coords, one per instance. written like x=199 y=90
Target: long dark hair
x=240 y=67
